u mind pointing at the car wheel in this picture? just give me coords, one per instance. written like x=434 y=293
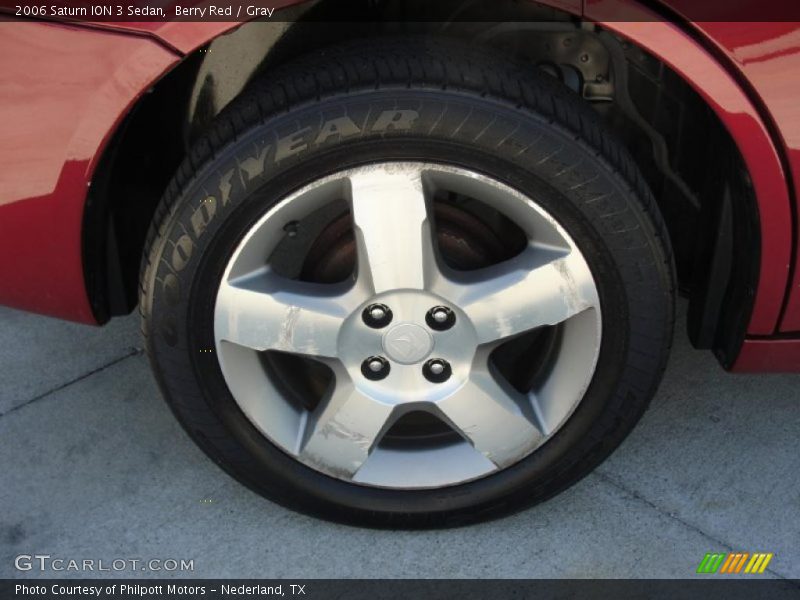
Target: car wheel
x=401 y=283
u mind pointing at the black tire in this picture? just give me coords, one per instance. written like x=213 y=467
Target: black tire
x=475 y=110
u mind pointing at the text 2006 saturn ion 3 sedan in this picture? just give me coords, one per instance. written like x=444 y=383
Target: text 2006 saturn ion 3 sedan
x=409 y=274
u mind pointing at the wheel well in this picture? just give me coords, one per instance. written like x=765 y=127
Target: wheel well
x=685 y=153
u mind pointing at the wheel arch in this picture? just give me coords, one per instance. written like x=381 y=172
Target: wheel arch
x=218 y=66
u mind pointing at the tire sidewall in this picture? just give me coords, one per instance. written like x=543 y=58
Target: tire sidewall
x=277 y=156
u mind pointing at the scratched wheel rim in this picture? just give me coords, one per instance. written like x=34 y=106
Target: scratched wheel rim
x=379 y=372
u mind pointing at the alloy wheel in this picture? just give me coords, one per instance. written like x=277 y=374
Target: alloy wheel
x=407 y=333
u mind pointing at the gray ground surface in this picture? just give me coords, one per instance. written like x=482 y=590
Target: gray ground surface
x=93 y=466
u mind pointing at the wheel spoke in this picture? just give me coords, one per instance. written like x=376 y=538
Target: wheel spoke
x=263 y=311
x=393 y=234
x=496 y=419
x=342 y=432
x=541 y=286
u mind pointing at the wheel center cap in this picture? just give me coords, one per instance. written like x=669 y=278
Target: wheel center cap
x=407 y=343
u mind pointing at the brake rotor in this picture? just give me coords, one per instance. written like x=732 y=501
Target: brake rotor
x=465 y=242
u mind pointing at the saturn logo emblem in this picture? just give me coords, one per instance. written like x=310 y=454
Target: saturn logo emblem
x=407 y=343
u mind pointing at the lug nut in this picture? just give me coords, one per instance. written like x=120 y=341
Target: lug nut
x=440 y=318
x=377 y=316
x=375 y=368
x=437 y=370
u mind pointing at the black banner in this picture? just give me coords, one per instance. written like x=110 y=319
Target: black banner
x=439 y=589
x=333 y=11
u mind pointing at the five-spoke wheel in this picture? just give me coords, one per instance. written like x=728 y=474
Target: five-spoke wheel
x=406 y=333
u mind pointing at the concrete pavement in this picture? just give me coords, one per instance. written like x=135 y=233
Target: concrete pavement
x=93 y=466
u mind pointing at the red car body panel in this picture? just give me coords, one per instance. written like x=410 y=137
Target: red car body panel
x=768 y=56
x=181 y=36
x=63 y=92
x=63 y=106
x=724 y=95
x=768 y=356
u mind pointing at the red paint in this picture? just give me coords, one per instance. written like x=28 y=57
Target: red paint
x=183 y=36
x=768 y=56
x=742 y=119
x=62 y=93
x=768 y=356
